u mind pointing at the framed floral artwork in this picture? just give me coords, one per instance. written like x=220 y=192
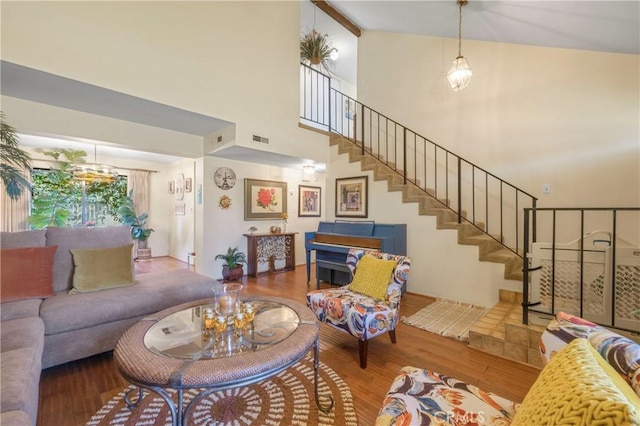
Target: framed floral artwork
x=352 y=197
x=308 y=201
x=264 y=199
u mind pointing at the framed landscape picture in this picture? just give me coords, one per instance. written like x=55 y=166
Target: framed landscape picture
x=264 y=199
x=352 y=197
x=308 y=201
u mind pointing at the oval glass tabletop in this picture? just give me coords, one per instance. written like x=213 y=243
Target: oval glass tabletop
x=183 y=335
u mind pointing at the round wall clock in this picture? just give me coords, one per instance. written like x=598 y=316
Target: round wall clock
x=225 y=178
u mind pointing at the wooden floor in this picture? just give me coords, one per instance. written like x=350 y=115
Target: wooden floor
x=71 y=393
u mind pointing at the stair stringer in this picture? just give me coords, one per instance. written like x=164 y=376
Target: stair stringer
x=489 y=249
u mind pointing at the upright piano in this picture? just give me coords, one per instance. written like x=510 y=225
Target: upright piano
x=333 y=240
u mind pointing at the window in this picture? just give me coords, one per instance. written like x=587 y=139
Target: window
x=59 y=200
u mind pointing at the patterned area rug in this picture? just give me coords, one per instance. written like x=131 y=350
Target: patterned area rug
x=285 y=399
x=447 y=318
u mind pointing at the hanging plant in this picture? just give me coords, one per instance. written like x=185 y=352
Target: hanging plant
x=315 y=49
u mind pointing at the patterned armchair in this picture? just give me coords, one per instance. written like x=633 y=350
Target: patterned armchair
x=358 y=314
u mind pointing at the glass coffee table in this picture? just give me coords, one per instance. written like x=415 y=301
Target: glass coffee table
x=171 y=349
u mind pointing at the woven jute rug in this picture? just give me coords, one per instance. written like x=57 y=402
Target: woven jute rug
x=447 y=318
x=285 y=399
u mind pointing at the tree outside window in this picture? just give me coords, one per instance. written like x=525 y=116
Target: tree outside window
x=58 y=198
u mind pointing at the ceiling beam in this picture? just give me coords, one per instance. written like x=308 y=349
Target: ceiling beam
x=337 y=16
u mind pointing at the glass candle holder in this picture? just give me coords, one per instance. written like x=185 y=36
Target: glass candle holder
x=226 y=298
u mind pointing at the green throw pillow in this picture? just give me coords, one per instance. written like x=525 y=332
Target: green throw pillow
x=100 y=269
x=373 y=276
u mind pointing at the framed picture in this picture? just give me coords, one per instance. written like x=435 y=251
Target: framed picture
x=264 y=199
x=179 y=208
x=172 y=186
x=352 y=197
x=308 y=201
x=188 y=185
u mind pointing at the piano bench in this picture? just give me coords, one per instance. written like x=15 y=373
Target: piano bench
x=331 y=266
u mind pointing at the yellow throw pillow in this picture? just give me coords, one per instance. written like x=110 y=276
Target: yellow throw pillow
x=575 y=388
x=372 y=276
x=99 y=269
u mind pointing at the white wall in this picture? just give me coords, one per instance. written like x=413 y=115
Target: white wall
x=236 y=61
x=531 y=115
x=225 y=228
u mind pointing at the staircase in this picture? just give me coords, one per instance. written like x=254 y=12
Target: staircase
x=500 y=331
x=485 y=210
x=468 y=234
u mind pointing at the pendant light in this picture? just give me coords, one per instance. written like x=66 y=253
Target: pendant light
x=460 y=72
x=94 y=172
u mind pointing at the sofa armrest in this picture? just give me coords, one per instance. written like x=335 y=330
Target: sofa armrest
x=622 y=353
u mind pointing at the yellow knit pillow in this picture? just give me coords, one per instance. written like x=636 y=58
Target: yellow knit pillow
x=373 y=276
x=576 y=388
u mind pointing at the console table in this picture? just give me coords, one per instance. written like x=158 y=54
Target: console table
x=269 y=247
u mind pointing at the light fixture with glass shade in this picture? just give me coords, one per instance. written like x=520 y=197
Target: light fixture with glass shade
x=460 y=72
x=94 y=172
x=334 y=54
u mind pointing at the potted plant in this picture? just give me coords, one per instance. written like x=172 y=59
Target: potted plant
x=315 y=49
x=233 y=261
x=138 y=223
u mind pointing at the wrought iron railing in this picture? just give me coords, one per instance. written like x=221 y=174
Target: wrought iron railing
x=477 y=196
x=585 y=261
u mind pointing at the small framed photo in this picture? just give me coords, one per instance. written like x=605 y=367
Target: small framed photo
x=308 y=201
x=188 y=185
x=179 y=208
x=172 y=186
x=352 y=197
x=264 y=199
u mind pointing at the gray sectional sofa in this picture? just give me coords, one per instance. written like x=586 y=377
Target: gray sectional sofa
x=37 y=333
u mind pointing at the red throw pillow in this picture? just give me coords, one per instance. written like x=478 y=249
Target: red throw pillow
x=26 y=273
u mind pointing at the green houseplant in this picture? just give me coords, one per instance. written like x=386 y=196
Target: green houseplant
x=233 y=261
x=315 y=49
x=14 y=162
x=138 y=223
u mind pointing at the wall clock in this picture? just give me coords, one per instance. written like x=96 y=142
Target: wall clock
x=225 y=178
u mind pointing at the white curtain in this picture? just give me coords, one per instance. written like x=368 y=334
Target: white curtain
x=14 y=212
x=138 y=181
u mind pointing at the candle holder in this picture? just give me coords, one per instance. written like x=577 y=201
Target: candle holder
x=225 y=298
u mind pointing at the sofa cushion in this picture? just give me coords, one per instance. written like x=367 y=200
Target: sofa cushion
x=81 y=238
x=20 y=377
x=23 y=239
x=26 y=273
x=423 y=397
x=22 y=333
x=151 y=293
x=576 y=388
x=20 y=309
x=100 y=269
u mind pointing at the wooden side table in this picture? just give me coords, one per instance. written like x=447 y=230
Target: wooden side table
x=269 y=247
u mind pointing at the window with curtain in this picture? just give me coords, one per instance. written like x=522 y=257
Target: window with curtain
x=59 y=200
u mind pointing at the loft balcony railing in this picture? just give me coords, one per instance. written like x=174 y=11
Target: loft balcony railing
x=477 y=196
x=585 y=261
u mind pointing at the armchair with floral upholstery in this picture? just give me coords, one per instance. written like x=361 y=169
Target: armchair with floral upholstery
x=368 y=306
